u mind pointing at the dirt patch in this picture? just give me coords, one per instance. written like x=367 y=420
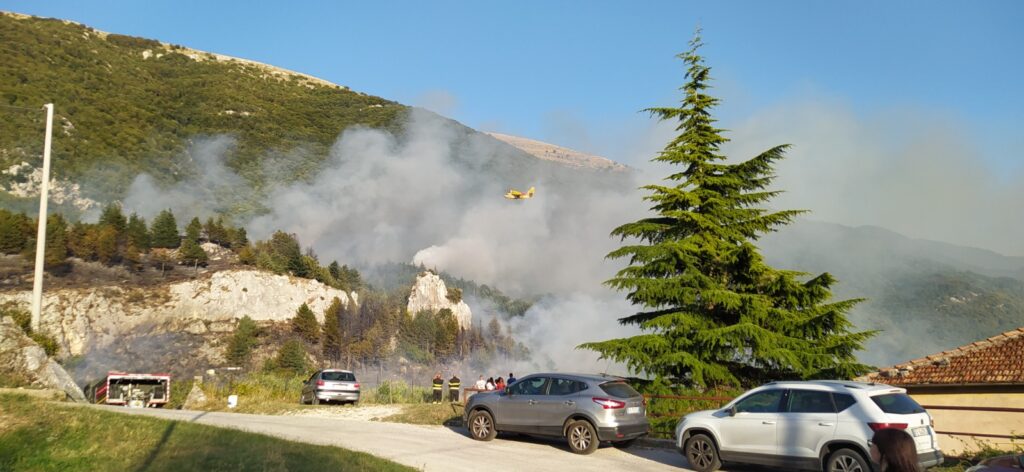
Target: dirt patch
x=359 y=413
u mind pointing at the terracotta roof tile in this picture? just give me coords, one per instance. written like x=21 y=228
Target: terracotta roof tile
x=998 y=359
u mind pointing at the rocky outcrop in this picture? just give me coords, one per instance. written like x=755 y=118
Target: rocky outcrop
x=429 y=293
x=94 y=318
x=21 y=359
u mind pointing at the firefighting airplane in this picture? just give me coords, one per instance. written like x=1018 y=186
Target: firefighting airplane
x=514 y=194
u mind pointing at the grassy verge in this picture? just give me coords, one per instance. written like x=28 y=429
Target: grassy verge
x=448 y=414
x=44 y=436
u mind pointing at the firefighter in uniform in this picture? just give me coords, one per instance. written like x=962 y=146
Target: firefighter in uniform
x=453 y=388
x=438 y=387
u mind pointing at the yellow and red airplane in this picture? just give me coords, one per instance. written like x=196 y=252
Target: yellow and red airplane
x=514 y=194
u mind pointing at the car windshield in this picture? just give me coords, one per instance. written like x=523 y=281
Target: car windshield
x=619 y=389
x=897 y=404
x=339 y=376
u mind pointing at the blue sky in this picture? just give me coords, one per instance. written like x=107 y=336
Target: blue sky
x=578 y=70
x=907 y=115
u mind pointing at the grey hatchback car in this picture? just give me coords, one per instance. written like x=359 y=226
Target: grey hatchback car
x=330 y=385
x=584 y=409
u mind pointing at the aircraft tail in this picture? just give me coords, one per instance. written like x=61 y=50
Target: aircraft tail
x=529 y=193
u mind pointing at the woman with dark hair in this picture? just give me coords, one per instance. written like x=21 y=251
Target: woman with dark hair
x=894 y=451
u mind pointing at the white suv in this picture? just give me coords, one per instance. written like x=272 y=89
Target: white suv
x=816 y=425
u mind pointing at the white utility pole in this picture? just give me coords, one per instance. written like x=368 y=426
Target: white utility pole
x=44 y=191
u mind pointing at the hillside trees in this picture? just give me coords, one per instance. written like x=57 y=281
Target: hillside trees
x=304 y=324
x=165 y=231
x=712 y=312
x=191 y=252
x=332 y=342
x=15 y=231
x=242 y=342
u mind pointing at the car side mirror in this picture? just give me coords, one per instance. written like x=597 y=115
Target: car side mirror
x=732 y=410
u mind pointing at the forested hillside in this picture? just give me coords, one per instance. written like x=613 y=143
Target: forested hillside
x=926 y=296
x=127 y=105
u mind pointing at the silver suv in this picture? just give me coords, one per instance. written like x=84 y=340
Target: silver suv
x=584 y=409
x=330 y=385
x=817 y=425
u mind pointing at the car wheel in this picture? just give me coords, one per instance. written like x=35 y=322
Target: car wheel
x=846 y=460
x=481 y=426
x=624 y=444
x=582 y=437
x=701 y=453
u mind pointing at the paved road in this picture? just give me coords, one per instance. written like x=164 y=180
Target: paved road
x=432 y=448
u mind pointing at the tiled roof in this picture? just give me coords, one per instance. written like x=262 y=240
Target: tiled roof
x=996 y=360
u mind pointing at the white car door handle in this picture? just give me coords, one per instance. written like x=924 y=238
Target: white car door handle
x=570 y=402
x=533 y=402
x=826 y=424
x=767 y=422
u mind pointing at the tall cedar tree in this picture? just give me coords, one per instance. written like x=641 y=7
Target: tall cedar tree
x=305 y=324
x=165 y=231
x=713 y=313
x=332 y=330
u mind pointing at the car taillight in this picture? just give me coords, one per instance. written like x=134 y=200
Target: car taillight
x=319 y=383
x=609 y=404
x=878 y=426
x=357 y=385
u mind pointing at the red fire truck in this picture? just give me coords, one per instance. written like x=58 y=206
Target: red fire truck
x=132 y=390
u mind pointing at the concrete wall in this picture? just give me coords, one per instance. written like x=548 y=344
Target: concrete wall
x=984 y=422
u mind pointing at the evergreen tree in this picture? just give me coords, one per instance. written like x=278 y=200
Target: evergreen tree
x=292 y=357
x=238 y=237
x=165 y=231
x=332 y=330
x=137 y=233
x=305 y=324
x=242 y=342
x=194 y=230
x=113 y=217
x=106 y=244
x=191 y=253
x=712 y=311
x=82 y=241
x=287 y=254
x=13 y=236
x=56 y=251
x=335 y=269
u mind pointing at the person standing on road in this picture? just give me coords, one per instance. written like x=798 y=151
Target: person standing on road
x=438 y=387
x=481 y=384
x=894 y=451
x=511 y=379
x=453 y=388
x=490 y=383
x=499 y=384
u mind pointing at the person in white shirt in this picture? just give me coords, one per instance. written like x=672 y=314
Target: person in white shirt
x=490 y=384
x=480 y=384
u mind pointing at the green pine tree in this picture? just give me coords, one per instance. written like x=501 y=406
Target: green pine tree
x=56 y=251
x=165 y=231
x=292 y=357
x=112 y=216
x=138 y=234
x=191 y=253
x=305 y=324
x=332 y=330
x=242 y=342
x=712 y=312
x=194 y=230
x=13 y=236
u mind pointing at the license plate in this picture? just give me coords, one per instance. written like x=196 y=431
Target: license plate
x=632 y=410
x=920 y=431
